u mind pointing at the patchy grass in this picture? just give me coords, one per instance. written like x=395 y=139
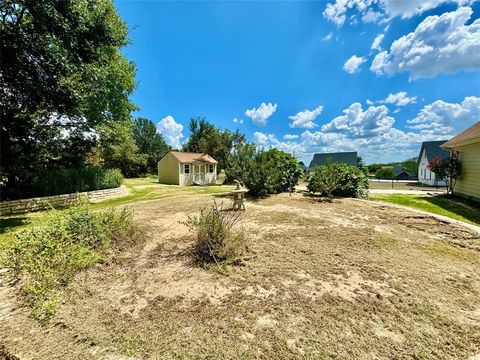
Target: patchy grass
x=459 y=254
x=435 y=205
x=141 y=189
x=46 y=257
x=144 y=189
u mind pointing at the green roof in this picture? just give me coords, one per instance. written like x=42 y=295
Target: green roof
x=349 y=158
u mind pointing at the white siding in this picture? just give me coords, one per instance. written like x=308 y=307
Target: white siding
x=198 y=172
x=425 y=176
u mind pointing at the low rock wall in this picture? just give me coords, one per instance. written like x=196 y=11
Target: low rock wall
x=58 y=201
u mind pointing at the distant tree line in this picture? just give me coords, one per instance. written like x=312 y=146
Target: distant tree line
x=385 y=170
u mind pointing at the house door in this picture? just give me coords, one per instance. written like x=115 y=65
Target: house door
x=198 y=173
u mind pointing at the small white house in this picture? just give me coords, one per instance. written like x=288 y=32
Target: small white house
x=430 y=150
x=184 y=168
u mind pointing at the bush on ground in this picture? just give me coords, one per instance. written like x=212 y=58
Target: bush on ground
x=217 y=240
x=64 y=181
x=46 y=258
x=335 y=179
x=272 y=172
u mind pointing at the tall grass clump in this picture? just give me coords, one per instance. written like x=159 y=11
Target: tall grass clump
x=218 y=239
x=45 y=258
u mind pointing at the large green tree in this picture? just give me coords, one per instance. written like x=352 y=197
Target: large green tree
x=207 y=138
x=118 y=149
x=149 y=142
x=61 y=76
x=239 y=161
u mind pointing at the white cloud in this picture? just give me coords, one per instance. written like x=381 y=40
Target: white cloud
x=369 y=102
x=290 y=136
x=269 y=140
x=409 y=8
x=380 y=10
x=261 y=114
x=371 y=16
x=399 y=99
x=352 y=65
x=171 y=130
x=360 y=123
x=442 y=118
x=328 y=37
x=376 y=43
x=337 y=11
x=238 y=121
x=440 y=44
x=304 y=119
x=372 y=132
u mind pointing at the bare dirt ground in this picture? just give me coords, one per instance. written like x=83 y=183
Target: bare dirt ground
x=343 y=280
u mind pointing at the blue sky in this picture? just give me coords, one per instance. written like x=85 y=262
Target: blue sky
x=306 y=76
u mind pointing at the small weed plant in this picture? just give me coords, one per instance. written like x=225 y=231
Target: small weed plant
x=46 y=258
x=218 y=239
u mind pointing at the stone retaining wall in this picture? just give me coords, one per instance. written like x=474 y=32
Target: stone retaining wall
x=58 y=201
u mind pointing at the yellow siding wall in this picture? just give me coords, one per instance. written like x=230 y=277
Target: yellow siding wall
x=168 y=170
x=469 y=185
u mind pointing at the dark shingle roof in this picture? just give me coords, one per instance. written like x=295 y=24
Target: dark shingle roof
x=398 y=170
x=349 y=158
x=433 y=150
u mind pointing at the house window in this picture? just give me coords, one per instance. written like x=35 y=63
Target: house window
x=210 y=168
x=186 y=168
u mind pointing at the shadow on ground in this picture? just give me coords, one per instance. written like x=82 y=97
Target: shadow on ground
x=468 y=210
x=8 y=224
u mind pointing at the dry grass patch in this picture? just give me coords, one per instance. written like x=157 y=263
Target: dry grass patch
x=344 y=279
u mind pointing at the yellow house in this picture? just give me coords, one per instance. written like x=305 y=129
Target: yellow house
x=184 y=168
x=467 y=143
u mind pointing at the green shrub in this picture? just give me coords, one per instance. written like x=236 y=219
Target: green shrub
x=272 y=172
x=239 y=162
x=217 y=240
x=47 y=257
x=335 y=179
x=64 y=181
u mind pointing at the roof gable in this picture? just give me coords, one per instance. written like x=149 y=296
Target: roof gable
x=188 y=157
x=398 y=171
x=433 y=150
x=349 y=158
x=472 y=133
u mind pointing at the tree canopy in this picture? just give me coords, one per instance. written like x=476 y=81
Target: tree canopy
x=207 y=138
x=62 y=76
x=149 y=142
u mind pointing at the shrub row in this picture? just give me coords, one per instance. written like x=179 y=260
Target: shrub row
x=64 y=181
